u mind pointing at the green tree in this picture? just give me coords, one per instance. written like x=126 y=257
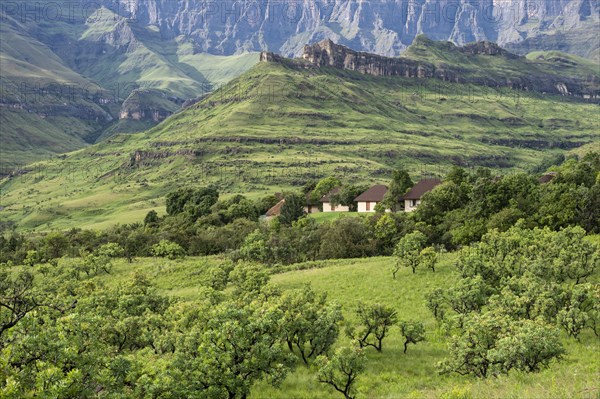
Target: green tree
x=527 y=346
x=435 y=301
x=428 y=258
x=412 y=331
x=341 y=370
x=254 y=247
x=168 y=249
x=224 y=354
x=400 y=184
x=292 y=209
x=408 y=251
x=152 y=219
x=345 y=196
x=309 y=324
x=375 y=321
x=196 y=202
x=18 y=298
x=493 y=343
x=110 y=250
x=324 y=186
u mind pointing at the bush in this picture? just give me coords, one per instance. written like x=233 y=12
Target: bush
x=168 y=249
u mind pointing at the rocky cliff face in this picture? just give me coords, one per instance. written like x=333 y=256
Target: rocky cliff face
x=384 y=27
x=328 y=54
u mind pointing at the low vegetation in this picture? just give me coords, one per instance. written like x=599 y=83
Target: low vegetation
x=453 y=300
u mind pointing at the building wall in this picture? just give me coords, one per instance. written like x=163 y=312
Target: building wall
x=339 y=208
x=311 y=209
x=362 y=207
x=409 y=207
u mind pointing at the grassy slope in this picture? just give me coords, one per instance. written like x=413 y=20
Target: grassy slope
x=331 y=122
x=29 y=136
x=275 y=127
x=390 y=374
x=535 y=63
x=26 y=55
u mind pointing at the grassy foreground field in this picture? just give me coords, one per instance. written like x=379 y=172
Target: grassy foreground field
x=390 y=374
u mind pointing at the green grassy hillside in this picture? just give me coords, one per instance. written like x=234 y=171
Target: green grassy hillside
x=69 y=63
x=390 y=374
x=37 y=106
x=275 y=126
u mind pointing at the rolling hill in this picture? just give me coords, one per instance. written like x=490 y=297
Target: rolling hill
x=289 y=120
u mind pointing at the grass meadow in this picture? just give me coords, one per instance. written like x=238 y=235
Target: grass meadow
x=390 y=374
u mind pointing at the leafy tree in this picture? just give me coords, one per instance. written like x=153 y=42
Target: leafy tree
x=292 y=209
x=435 y=301
x=341 y=370
x=248 y=278
x=110 y=250
x=32 y=258
x=254 y=247
x=346 y=238
x=265 y=203
x=457 y=175
x=468 y=295
x=408 y=251
x=224 y=354
x=324 y=186
x=196 y=202
x=375 y=322
x=168 y=249
x=400 y=184
x=428 y=258
x=442 y=199
x=152 y=219
x=578 y=312
x=309 y=324
x=493 y=343
x=577 y=258
x=528 y=346
x=54 y=245
x=412 y=331
x=18 y=298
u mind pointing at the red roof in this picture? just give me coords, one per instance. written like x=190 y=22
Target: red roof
x=276 y=209
x=421 y=188
x=374 y=194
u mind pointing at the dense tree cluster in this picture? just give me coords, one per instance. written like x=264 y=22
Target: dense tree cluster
x=66 y=335
x=516 y=290
x=462 y=209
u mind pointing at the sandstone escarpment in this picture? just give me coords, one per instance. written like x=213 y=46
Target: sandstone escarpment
x=471 y=64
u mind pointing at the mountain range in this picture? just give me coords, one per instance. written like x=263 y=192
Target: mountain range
x=74 y=73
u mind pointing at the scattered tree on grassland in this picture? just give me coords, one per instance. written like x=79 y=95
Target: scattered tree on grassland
x=408 y=252
x=375 y=321
x=412 y=331
x=490 y=344
x=341 y=370
x=310 y=325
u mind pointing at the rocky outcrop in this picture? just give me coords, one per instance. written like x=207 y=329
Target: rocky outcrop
x=328 y=54
x=149 y=105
